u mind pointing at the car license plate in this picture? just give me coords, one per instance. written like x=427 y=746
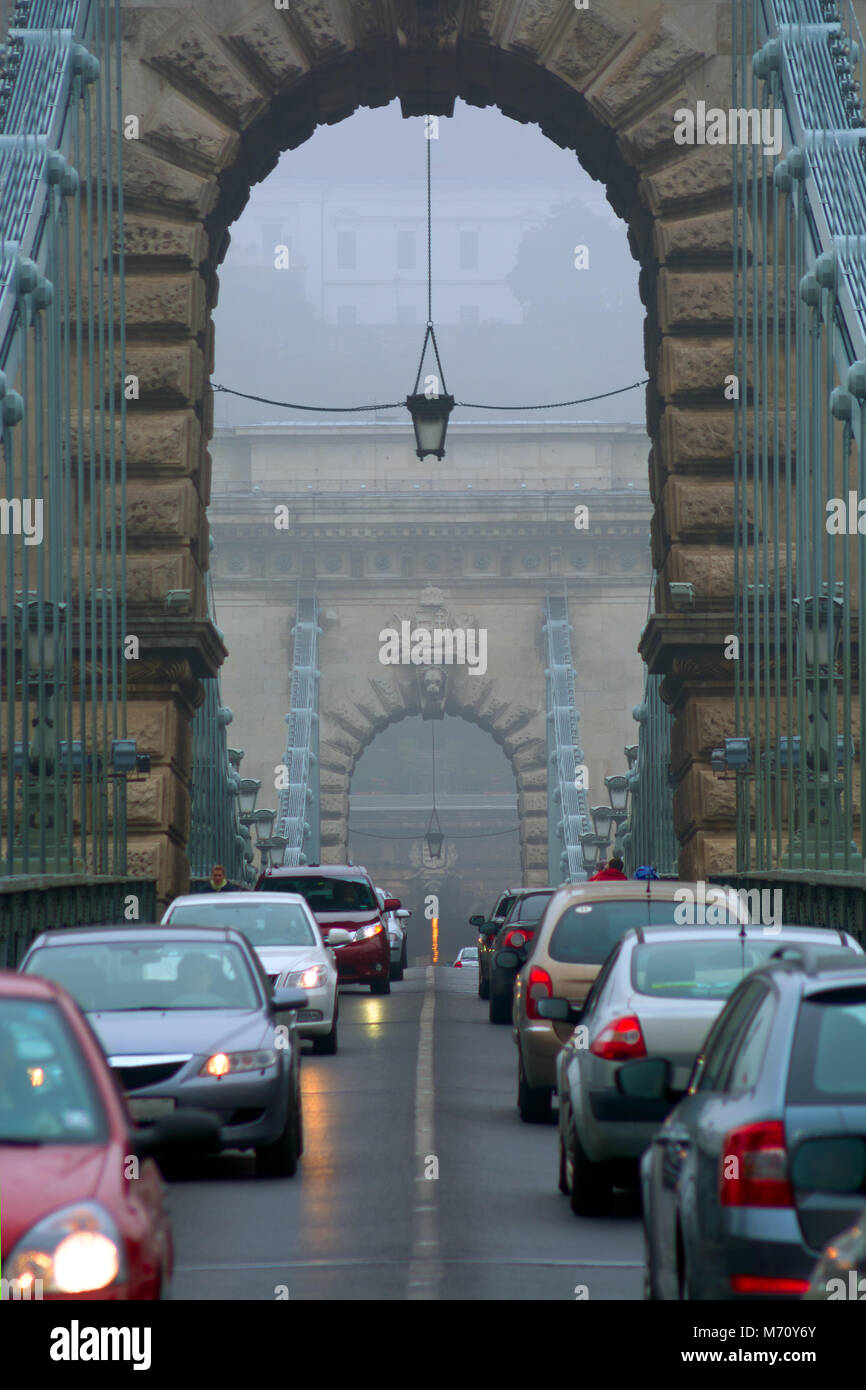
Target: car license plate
x=151 y=1107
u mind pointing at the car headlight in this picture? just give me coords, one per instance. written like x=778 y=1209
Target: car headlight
x=364 y=933
x=228 y=1063
x=75 y=1250
x=312 y=978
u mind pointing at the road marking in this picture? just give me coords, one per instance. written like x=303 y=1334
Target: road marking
x=363 y=1263
x=425 y=1269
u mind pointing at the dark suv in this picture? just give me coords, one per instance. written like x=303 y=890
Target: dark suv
x=487 y=927
x=516 y=933
x=342 y=897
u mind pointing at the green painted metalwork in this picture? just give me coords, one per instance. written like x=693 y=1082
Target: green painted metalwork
x=800 y=461
x=567 y=800
x=64 y=755
x=649 y=836
x=298 y=813
x=36 y=904
x=216 y=833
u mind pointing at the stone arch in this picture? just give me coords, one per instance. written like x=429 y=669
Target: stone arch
x=221 y=89
x=350 y=721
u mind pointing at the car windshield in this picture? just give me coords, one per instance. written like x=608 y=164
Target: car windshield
x=47 y=1095
x=325 y=894
x=263 y=924
x=695 y=969
x=587 y=932
x=530 y=909
x=124 y=975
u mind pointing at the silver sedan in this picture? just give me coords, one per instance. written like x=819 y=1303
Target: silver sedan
x=657 y=995
x=186 y=1020
x=285 y=936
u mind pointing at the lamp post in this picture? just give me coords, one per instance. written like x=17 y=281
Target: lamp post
x=278 y=848
x=262 y=823
x=617 y=791
x=430 y=409
x=235 y=757
x=592 y=846
x=248 y=791
x=602 y=818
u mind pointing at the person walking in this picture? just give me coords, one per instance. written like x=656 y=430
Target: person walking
x=614 y=869
x=218 y=880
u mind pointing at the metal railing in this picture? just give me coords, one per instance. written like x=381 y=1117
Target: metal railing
x=64 y=755
x=567 y=799
x=649 y=837
x=216 y=834
x=298 y=813
x=800 y=459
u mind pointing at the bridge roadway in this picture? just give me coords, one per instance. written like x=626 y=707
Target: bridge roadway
x=420 y=1072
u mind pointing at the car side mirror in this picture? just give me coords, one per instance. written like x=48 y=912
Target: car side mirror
x=338 y=936
x=403 y=913
x=647 y=1078
x=477 y=920
x=391 y=905
x=285 y=1000
x=559 y=1010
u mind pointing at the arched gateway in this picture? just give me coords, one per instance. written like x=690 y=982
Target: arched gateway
x=220 y=90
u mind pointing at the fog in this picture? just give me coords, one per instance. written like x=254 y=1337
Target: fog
x=342 y=324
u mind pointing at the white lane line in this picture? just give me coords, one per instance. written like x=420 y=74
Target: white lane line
x=505 y=1261
x=425 y=1269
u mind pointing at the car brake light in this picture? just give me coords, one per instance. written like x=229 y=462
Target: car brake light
x=538 y=986
x=753 y=1168
x=756 y=1283
x=620 y=1041
x=514 y=939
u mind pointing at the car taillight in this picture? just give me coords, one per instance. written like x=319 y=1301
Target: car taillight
x=538 y=986
x=620 y=1041
x=753 y=1168
x=515 y=939
x=756 y=1283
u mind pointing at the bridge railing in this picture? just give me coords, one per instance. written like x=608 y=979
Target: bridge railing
x=649 y=836
x=64 y=754
x=298 y=811
x=216 y=833
x=800 y=460
x=567 y=799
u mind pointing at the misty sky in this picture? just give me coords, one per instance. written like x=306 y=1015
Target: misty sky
x=578 y=332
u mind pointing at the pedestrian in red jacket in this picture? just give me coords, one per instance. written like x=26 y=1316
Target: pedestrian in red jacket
x=614 y=870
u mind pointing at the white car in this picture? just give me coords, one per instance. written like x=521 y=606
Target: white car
x=286 y=938
x=395 y=920
x=467 y=956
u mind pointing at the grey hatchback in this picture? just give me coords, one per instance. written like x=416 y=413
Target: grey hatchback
x=186 y=1018
x=732 y=1205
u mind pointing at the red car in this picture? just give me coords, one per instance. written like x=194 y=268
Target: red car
x=82 y=1214
x=343 y=902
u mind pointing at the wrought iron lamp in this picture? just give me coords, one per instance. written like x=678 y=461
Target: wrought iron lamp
x=434 y=836
x=430 y=409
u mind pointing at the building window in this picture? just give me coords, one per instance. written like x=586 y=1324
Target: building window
x=347 y=313
x=468 y=313
x=406 y=250
x=468 y=250
x=407 y=313
x=346 y=251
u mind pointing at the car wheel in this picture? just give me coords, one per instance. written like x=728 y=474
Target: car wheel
x=649 y=1278
x=563 y=1175
x=500 y=1008
x=280 y=1159
x=684 y=1278
x=591 y=1190
x=325 y=1045
x=381 y=986
x=483 y=985
x=533 y=1102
